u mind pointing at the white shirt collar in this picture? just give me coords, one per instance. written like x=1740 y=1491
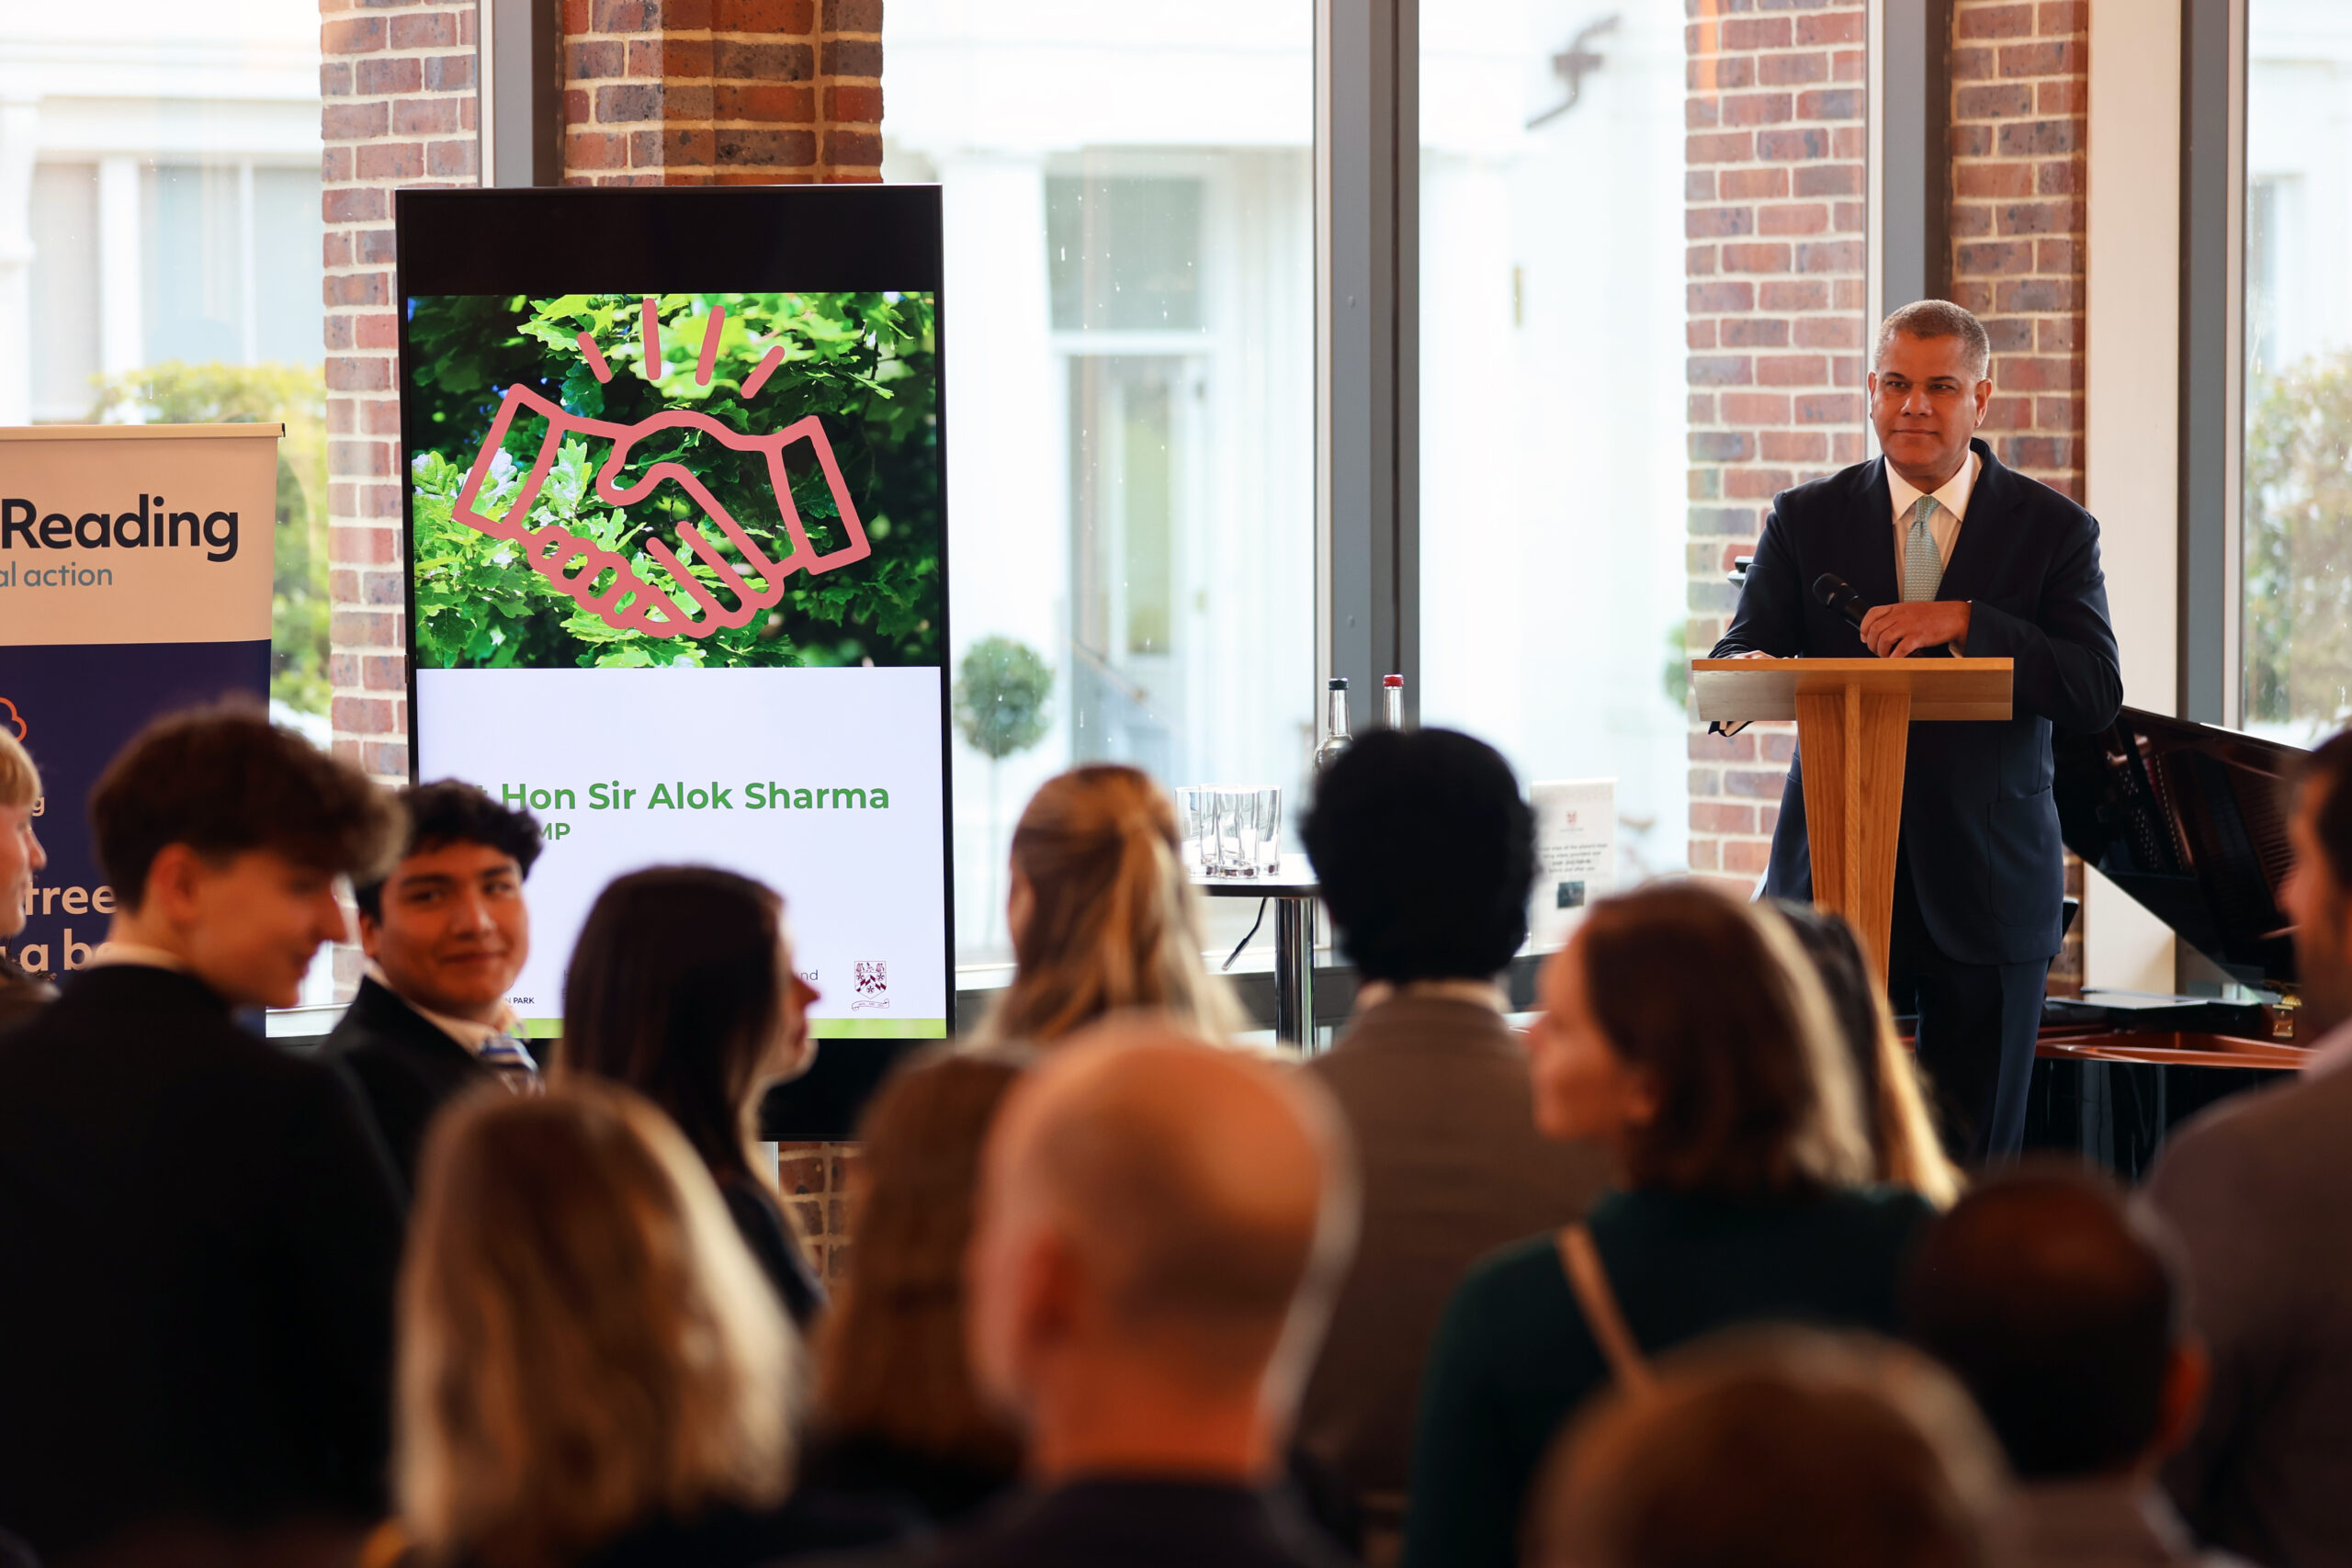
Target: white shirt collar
x=112 y=952
x=1372 y=993
x=1952 y=495
x=464 y=1031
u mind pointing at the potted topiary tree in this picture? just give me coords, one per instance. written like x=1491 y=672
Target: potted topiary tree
x=1001 y=689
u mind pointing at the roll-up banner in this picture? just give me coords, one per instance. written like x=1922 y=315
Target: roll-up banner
x=134 y=579
x=677 y=539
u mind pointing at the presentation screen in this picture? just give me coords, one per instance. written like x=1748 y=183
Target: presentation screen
x=676 y=529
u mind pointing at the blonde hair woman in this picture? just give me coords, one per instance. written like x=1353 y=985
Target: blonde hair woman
x=1904 y=1150
x=592 y=1368
x=20 y=857
x=1101 y=914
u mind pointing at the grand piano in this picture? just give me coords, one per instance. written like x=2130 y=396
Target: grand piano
x=2190 y=820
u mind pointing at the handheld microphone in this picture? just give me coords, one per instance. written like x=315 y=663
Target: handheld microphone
x=1839 y=595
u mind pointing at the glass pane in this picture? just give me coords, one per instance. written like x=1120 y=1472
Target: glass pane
x=176 y=273
x=1641 y=294
x=64 y=291
x=2297 y=608
x=1130 y=387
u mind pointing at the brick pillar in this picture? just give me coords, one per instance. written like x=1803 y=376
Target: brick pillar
x=1775 y=186
x=2020 y=123
x=722 y=91
x=397 y=84
x=2021 y=97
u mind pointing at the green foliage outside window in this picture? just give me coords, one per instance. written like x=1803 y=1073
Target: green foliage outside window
x=296 y=396
x=2297 y=625
x=865 y=362
x=1001 y=689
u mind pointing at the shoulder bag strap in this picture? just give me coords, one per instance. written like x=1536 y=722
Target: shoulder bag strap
x=1581 y=1262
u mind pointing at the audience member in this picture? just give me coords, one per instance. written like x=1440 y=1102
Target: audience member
x=1905 y=1149
x=21 y=856
x=1101 y=914
x=1161 y=1225
x=2063 y=1316
x=592 y=1369
x=446 y=932
x=197 y=1232
x=1778 y=1449
x=1425 y=852
x=1687 y=1034
x=682 y=986
x=2259 y=1190
x=898 y=1415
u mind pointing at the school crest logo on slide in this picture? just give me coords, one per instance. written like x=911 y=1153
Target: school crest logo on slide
x=873 y=984
x=606 y=583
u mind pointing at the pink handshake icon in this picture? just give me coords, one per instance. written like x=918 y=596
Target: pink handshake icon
x=628 y=601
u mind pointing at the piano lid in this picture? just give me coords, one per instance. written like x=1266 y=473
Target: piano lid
x=2191 y=820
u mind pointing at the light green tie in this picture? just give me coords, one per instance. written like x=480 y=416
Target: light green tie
x=1923 y=565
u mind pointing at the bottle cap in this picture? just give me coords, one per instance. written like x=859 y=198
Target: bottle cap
x=1338 y=683
x=1392 y=680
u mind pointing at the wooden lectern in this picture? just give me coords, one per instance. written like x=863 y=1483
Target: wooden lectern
x=1853 y=726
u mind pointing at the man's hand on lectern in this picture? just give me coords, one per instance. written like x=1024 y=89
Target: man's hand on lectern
x=1897 y=631
x=1736 y=726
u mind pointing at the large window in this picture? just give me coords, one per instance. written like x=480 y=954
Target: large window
x=1130 y=389
x=1552 y=402
x=175 y=271
x=2297 y=504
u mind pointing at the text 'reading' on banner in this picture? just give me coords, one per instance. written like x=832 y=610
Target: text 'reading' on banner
x=135 y=569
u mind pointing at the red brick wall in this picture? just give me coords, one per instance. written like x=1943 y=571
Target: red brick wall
x=398 y=80
x=2021 y=95
x=722 y=91
x=1776 y=181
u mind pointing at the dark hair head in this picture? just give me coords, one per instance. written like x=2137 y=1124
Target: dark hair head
x=1938 y=317
x=2057 y=1307
x=2329 y=767
x=1425 y=852
x=224 y=781
x=675 y=988
x=1775 y=1448
x=892 y=1364
x=1754 y=1092
x=447 y=812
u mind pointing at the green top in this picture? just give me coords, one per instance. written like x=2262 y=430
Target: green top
x=1513 y=1357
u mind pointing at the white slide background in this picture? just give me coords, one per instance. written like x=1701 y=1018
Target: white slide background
x=859 y=886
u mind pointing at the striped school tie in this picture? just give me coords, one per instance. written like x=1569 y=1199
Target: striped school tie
x=1923 y=565
x=511 y=1060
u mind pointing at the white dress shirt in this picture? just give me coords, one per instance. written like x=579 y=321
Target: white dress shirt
x=1951 y=509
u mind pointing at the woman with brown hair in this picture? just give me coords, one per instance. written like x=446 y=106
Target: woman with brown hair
x=1101 y=914
x=1687 y=1035
x=681 y=987
x=897 y=1416
x=592 y=1371
x=1904 y=1150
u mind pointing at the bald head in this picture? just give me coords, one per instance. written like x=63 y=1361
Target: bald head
x=1153 y=1198
x=2058 y=1308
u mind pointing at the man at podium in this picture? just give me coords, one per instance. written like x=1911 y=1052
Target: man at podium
x=1950 y=551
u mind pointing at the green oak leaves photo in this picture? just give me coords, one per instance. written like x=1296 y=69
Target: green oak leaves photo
x=865 y=364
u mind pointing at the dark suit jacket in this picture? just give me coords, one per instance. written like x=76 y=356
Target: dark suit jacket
x=406 y=1065
x=198 y=1239
x=1437 y=1099
x=1980 y=825
x=2259 y=1191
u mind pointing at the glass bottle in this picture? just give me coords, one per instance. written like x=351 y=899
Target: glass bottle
x=1335 y=723
x=1392 y=701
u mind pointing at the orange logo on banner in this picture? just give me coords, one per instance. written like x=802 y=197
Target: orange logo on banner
x=11 y=720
